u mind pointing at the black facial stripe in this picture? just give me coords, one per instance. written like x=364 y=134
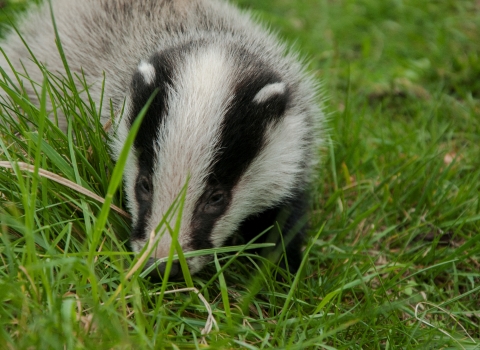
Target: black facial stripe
x=144 y=206
x=202 y=227
x=203 y=221
x=144 y=143
x=139 y=229
x=244 y=126
x=140 y=93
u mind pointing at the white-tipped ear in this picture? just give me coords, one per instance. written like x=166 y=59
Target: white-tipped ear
x=148 y=72
x=269 y=91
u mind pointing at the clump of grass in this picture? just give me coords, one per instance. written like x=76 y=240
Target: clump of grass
x=393 y=259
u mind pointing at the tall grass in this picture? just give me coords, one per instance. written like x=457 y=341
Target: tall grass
x=393 y=258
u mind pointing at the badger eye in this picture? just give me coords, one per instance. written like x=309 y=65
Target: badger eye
x=144 y=185
x=216 y=199
x=216 y=203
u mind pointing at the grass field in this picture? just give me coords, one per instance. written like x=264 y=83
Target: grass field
x=394 y=256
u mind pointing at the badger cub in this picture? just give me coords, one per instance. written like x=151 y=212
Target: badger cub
x=234 y=113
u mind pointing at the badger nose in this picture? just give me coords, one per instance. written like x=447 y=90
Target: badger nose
x=156 y=275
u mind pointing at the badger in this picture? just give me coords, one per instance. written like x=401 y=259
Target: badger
x=234 y=115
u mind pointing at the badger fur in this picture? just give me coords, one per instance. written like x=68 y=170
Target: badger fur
x=234 y=113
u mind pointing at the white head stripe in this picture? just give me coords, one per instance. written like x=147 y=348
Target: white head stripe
x=148 y=72
x=203 y=91
x=269 y=91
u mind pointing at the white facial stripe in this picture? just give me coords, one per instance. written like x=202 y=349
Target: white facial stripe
x=268 y=91
x=270 y=178
x=148 y=72
x=188 y=138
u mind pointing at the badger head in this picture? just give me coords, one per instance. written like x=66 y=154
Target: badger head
x=224 y=120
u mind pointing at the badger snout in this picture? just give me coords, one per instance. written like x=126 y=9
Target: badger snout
x=157 y=274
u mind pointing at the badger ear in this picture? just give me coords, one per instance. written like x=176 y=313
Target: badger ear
x=272 y=98
x=147 y=70
x=270 y=91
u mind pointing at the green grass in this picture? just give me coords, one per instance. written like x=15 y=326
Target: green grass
x=394 y=256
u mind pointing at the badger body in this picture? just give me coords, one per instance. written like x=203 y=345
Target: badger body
x=234 y=116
